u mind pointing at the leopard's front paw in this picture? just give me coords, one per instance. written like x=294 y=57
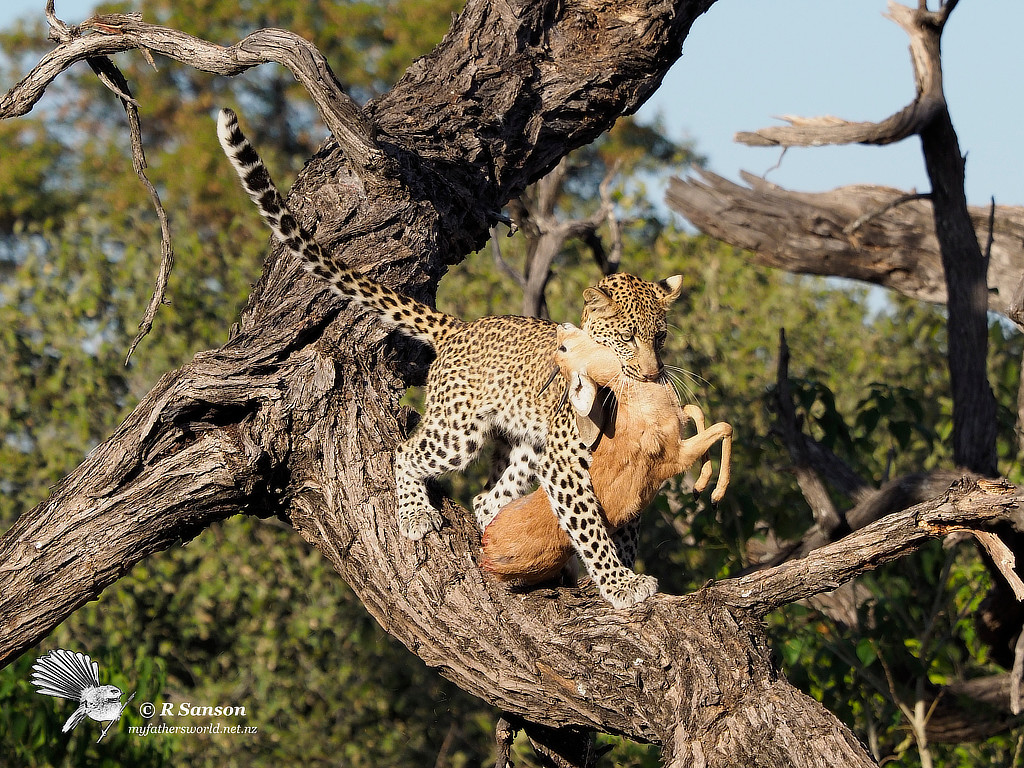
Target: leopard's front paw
x=414 y=524
x=631 y=590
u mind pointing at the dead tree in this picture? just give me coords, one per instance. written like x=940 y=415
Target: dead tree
x=964 y=266
x=879 y=235
x=298 y=414
x=535 y=214
x=927 y=246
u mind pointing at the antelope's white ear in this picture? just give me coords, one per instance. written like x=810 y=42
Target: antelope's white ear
x=582 y=393
x=564 y=331
x=583 y=397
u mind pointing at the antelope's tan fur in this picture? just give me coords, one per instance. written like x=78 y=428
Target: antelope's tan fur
x=642 y=444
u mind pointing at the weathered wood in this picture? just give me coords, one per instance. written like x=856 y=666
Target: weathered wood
x=968 y=505
x=853 y=232
x=822 y=131
x=924 y=28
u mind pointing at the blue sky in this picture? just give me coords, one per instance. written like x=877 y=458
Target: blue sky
x=748 y=60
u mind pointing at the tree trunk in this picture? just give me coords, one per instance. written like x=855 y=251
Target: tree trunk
x=863 y=232
x=964 y=267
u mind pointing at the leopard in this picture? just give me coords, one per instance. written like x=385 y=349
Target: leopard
x=489 y=380
x=637 y=431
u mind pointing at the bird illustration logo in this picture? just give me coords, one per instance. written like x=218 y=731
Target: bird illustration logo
x=75 y=676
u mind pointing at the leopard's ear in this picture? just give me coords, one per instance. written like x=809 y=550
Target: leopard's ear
x=597 y=303
x=671 y=287
x=583 y=398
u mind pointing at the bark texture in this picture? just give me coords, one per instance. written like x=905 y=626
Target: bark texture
x=298 y=414
x=880 y=235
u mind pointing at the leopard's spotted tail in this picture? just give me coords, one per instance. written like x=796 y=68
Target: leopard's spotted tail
x=408 y=315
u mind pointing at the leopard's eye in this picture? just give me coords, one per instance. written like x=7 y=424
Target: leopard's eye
x=660 y=339
x=627 y=338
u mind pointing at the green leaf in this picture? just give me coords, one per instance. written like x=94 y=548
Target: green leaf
x=866 y=651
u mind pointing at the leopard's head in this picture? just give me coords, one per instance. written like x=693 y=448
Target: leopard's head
x=627 y=314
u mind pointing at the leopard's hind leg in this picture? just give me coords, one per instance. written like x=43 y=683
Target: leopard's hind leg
x=515 y=481
x=446 y=440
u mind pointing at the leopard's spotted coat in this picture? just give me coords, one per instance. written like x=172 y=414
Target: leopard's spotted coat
x=489 y=376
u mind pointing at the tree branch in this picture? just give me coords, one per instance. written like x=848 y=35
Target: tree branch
x=988 y=711
x=607 y=260
x=924 y=29
x=111 y=76
x=1003 y=560
x=502 y=264
x=967 y=506
x=863 y=219
x=826 y=516
x=963 y=265
x=298 y=414
x=104 y=35
x=895 y=496
x=822 y=131
x=165 y=474
x=546 y=234
x=876 y=234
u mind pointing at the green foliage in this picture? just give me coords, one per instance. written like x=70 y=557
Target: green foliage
x=30 y=731
x=246 y=614
x=913 y=634
x=24 y=176
x=285 y=638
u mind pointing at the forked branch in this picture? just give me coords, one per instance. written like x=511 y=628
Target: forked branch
x=969 y=505
x=108 y=34
x=929 y=103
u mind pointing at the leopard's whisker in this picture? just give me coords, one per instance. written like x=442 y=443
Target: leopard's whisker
x=611 y=397
x=689 y=374
x=681 y=377
x=679 y=383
